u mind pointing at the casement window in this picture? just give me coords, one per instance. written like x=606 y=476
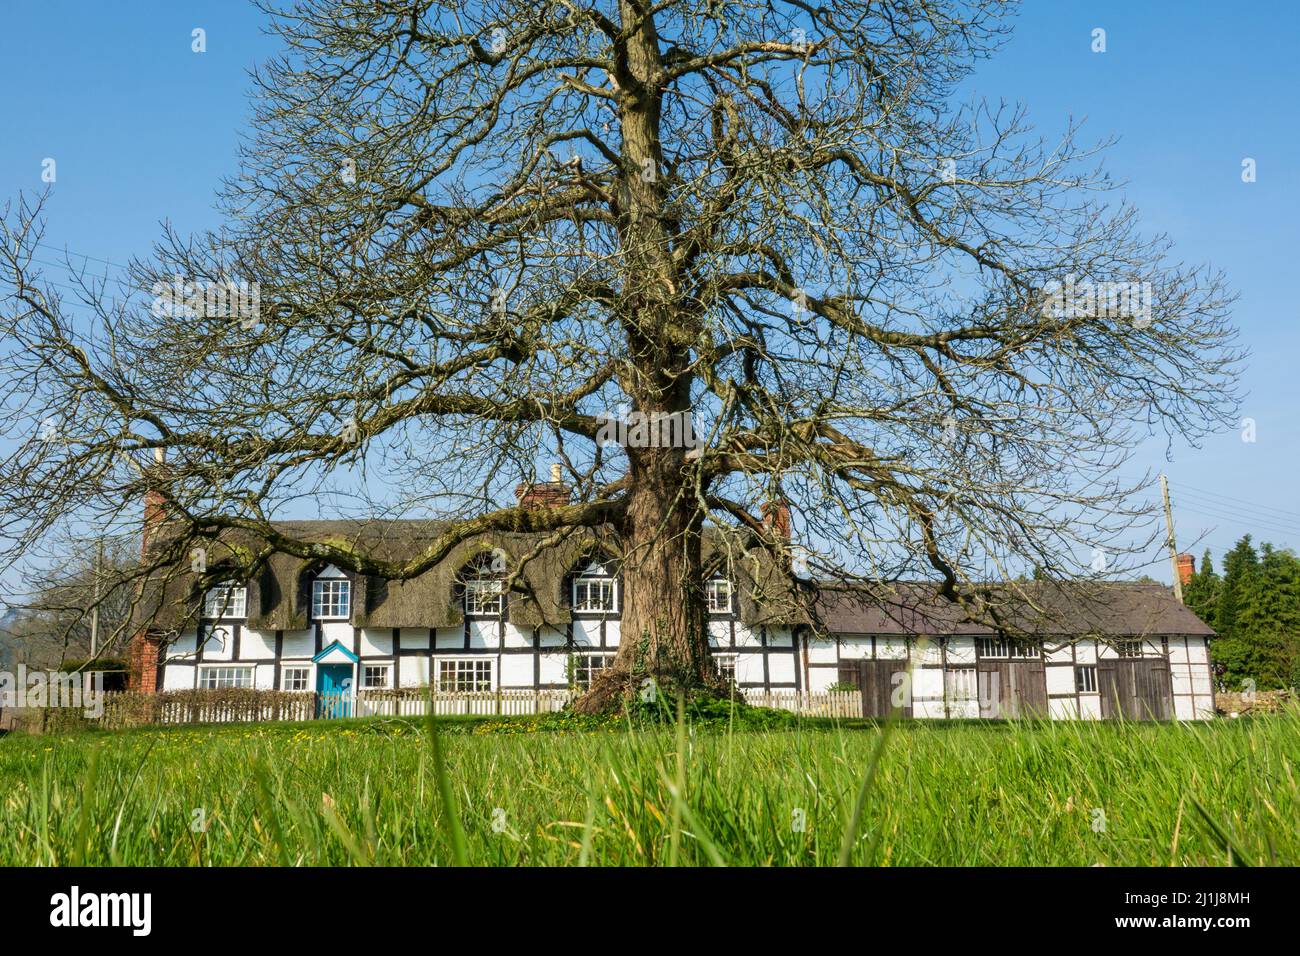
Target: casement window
x=226 y=600
x=464 y=675
x=216 y=678
x=1085 y=679
x=483 y=598
x=595 y=590
x=587 y=666
x=331 y=599
x=725 y=665
x=295 y=678
x=375 y=676
x=1001 y=647
x=717 y=595
x=960 y=684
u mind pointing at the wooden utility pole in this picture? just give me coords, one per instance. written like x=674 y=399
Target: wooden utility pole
x=1169 y=539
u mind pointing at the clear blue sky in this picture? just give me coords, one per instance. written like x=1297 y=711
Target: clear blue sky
x=143 y=129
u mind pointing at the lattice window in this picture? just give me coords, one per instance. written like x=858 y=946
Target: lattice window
x=331 y=598
x=483 y=598
x=717 y=592
x=464 y=675
x=216 y=678
x=226 y=600
x=595 y=590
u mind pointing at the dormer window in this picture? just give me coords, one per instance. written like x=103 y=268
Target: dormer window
x=717 y=595
x=331 y=596
x=595 y=590
x=227 y=600
x=483 y=597
x=483 y=585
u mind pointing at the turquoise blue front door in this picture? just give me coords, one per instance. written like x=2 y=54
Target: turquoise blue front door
x=334 y=682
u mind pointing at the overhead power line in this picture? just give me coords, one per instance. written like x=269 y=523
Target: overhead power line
x=80 y=255
x=1236 y=502
x=1248 y=522
x=1238 y=513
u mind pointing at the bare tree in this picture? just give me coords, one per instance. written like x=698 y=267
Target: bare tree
x=78 y=604
x=475 y=229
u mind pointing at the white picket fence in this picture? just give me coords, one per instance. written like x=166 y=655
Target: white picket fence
x=125 y=709
x=519 y=702
x=387 y=703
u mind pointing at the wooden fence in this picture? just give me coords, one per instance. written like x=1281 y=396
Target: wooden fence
x=241 y=705
x=415 y=702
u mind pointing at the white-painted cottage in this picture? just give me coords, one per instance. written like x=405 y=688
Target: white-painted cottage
x=499 y=614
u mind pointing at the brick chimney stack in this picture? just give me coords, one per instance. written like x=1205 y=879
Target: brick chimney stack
x=1186 y=568
x=155 y=508
x=144 y=650
x=776 y=517
x=544 y=494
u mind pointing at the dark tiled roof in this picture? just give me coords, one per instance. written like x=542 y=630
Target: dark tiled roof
x=1038 y=608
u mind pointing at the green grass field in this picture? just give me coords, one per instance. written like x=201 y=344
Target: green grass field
x=364 y=792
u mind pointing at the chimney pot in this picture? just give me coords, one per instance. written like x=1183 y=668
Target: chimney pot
x=542 y=494
x=556 y=473
x=776 y=518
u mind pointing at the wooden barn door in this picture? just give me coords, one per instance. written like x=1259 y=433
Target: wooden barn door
x=1136 y=688
x=877 y=680
x=1010 y=689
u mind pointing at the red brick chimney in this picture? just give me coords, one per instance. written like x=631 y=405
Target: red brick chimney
x=544 y=494
x=155 y=509
x=1186 y=568
x=776 y=517
x=144 y=651
x=142 y=663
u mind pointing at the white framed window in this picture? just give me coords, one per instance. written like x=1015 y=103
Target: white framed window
x=960 y=684
x=595 y=589
x=1001 y=647
x=464 y=674
x=331 y=599
x=587 y=666
x=1085 y=679
x=375 y=676
x=725 y=665
x=1129 y=648
x=228 y=599
x=295 y=678
x=216 y=678
x=483 y=597
x=717 y=595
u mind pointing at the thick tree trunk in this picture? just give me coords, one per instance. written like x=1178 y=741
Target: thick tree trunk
x=664 y=646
